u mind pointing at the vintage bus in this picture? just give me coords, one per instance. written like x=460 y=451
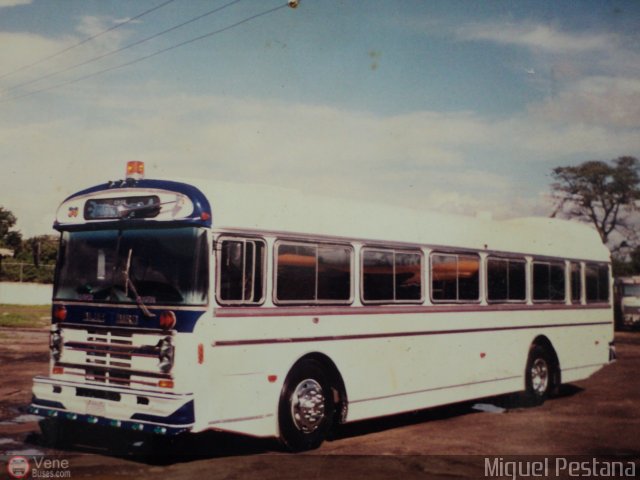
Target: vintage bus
x=188 y=306
x=627 y=300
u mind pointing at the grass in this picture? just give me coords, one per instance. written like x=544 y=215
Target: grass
x=33 y=316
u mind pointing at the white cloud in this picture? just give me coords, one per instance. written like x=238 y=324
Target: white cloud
x=127 y=20
x=567 y=55
x=25 y=49
x=33 y=62
x=14 y=3
x=444 y=161
x=610 y=101
x=451 y=161
x=591 y=81
x=538 y=37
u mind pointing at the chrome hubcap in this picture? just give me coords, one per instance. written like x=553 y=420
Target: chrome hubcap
x=539 y=376
x=307 y=405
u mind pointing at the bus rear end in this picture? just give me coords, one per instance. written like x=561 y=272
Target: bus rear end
x=629 y=301
x=131 y=285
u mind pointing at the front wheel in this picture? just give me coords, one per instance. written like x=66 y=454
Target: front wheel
x=540 y=375
x=55 y=433
x=306 y=409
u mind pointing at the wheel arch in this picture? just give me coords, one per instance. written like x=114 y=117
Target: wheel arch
x=338 y=387
x=544 y=342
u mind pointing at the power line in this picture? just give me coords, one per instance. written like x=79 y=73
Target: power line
x=121 y=49
x=151 y=55
x=88 y=39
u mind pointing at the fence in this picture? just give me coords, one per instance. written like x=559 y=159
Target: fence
x=26 y=272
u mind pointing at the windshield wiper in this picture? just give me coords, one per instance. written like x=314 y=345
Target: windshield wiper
x=125 y=211
x=129 y=283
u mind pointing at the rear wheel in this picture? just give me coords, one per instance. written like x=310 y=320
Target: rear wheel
x=306 y=409
x=540 y=375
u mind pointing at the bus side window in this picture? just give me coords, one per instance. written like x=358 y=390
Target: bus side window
x=548 y=281
x=377 y=273
x=597 y=282
x=455 y=277
x=241 y=271
x=391 y=276
x=506 y=279
x=313 y=273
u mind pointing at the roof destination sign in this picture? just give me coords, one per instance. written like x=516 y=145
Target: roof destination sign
x=140 y=203
x=147 y=206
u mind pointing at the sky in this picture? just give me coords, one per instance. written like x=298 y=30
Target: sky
x=461 y=106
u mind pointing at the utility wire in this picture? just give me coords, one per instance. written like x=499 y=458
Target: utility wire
x=88 y=39
x=121 y=49
x=151 y=55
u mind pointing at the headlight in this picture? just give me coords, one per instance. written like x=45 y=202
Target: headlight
x=55 y=344
x=165 y=354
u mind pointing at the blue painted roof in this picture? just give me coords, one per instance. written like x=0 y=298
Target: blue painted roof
x=200 y=202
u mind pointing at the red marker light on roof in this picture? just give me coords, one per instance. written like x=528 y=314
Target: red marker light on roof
x=135 y=170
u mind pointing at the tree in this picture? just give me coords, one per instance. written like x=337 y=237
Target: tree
x=13 y=240
x=7 y=221
x=41 y=251
x=606 y=194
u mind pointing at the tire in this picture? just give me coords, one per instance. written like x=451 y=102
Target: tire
x=306 y=409
x=540 y=376
x=55 y=433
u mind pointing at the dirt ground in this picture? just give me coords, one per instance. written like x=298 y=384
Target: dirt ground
x=598 y=417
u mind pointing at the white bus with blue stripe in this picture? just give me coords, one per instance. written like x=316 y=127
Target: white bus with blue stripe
x=183 y=308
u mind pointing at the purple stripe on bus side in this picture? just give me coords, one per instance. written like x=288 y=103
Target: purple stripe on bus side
x=330 y=338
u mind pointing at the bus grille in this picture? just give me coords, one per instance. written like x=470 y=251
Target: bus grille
x=112 y=356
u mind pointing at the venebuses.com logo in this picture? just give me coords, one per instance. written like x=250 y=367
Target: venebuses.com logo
x=19 y=467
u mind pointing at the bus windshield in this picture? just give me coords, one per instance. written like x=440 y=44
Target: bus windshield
x=159 y=265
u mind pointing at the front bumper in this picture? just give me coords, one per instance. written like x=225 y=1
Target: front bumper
x=140 y=410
